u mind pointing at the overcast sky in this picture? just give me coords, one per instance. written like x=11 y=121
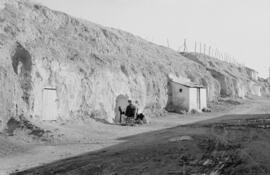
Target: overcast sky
x=240 y=28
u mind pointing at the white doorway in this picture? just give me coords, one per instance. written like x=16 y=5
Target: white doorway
x=198 y=98
x=49 y=104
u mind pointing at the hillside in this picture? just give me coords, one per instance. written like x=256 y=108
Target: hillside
x=234 y=80
x=90 y=66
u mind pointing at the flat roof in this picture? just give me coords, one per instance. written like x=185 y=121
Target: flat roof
x=249 y=69
x=189 y=84
x=49 y=88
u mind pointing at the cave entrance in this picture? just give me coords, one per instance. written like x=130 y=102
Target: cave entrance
x=122 y=102
x=49 y=104
x=22 y=66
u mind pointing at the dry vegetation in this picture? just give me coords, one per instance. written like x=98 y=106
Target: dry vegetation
x=90 y=66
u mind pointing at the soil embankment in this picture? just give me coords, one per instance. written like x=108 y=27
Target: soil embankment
x=86 y=67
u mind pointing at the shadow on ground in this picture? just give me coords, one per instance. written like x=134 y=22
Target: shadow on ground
x=232 y=144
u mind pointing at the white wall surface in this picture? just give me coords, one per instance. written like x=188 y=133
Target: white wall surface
x=203 y=98
x=49 y=104
x=180 y=100
x=193 y=99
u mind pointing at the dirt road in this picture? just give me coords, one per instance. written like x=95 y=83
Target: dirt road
x=138 y=150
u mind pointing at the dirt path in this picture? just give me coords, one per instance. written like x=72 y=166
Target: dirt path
x=81 y=138
x=194 y=149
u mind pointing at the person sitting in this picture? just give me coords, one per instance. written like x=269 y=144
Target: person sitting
x=130 y=111
x=140 y=119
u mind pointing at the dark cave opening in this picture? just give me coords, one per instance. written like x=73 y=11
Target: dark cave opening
x=22 y=66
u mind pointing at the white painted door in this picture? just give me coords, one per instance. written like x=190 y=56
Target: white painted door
x=198 y=98
x=49 y=99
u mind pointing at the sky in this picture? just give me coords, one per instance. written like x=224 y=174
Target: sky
x=240 y=28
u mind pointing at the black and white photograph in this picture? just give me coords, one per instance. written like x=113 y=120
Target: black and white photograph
x=134 y=87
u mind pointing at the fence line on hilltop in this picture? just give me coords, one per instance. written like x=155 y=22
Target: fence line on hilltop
x=199 y=48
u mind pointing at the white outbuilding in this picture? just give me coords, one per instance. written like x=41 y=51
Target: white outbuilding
x=253 y=75
x=185 y=96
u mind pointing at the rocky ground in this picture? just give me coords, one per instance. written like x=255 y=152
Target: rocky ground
x=235 y=128
x=238 y=146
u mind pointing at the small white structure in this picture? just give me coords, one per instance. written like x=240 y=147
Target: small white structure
x=185 y=96
x=252 y=74
x=257 y=90
x=49 y=104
